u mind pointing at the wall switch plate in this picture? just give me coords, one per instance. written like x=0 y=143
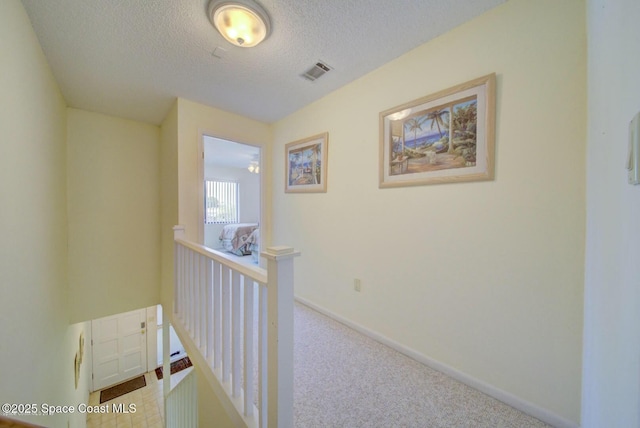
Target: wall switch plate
x=357 y=286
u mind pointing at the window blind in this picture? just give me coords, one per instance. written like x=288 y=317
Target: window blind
x=221 y=201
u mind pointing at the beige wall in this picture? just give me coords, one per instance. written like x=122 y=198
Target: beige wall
x=37 y=346
x=611 y=390
x=168 y=201
x=211 y=413
x=114 y=214
x=483 y=277
x=194 y=120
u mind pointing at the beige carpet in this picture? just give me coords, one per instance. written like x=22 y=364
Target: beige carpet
x=345 y=379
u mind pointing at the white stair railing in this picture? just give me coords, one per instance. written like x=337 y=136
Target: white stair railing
x=181 y=404
x=240 y=318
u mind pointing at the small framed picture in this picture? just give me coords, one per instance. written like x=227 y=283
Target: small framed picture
x=441 y=138
x=306 y=165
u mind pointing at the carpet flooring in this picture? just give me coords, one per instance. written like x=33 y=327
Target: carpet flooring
x=176 y=366
x=345 y=379
x=123 y=388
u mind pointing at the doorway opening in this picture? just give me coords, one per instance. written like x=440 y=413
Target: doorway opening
x=232 y=198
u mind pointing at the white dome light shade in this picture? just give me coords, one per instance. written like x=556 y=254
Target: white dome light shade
x=242 y=23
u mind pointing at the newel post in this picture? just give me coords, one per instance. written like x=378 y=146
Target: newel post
x=178 y=232
x=280 y=336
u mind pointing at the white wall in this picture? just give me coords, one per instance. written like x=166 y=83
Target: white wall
x=37 y=345
x=486 y=277
x=611 y=382
x=114 y=214
x=249 y=198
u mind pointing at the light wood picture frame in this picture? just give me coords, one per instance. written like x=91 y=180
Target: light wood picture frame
x=306 y=165
x=415 y=136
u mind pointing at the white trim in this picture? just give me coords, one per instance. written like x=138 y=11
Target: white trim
x=506 y=397
x=200 y=171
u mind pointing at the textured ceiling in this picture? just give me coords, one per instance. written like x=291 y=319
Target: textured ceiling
x=132 y=58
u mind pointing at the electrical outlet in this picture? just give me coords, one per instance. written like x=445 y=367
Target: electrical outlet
x=357 y=286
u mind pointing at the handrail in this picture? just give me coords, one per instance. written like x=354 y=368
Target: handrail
x=239 y=318
x=256 y=273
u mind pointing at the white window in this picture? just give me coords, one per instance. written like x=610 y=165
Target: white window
x=221 y=202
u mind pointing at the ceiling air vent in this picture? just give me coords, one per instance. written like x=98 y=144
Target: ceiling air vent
x=316 y=71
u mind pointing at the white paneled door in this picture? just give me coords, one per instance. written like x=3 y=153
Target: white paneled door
x=119 y=348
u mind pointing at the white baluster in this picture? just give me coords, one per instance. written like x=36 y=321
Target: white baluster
x=226 y=324
x=178 y=233
x=209 y=311
x=183 y=285
x=217 y=313
x=180 y=282
x=248 y=347
x=235 y=333
x=192 y=297
x=262 y=356
x=197 y=316
x=203 y=305
x=190 y=275
x=194 y=288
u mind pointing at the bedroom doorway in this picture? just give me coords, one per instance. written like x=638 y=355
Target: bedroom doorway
x=231 y=197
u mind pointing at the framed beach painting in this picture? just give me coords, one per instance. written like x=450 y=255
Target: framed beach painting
x=441 y=138
x=306 y=165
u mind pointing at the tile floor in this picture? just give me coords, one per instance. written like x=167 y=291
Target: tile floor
x=149 y=408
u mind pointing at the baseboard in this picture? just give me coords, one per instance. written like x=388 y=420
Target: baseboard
x=507 y=398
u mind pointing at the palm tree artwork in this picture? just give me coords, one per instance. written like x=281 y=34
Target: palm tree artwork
x=414 y=125
x=464 y=128
x=443 y=137
x=436 y=117
x=294 y=166
x=316 y=165
x=305 y=165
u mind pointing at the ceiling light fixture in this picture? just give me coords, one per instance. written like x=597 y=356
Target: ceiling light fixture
x=243 y=23
x=254 y=167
